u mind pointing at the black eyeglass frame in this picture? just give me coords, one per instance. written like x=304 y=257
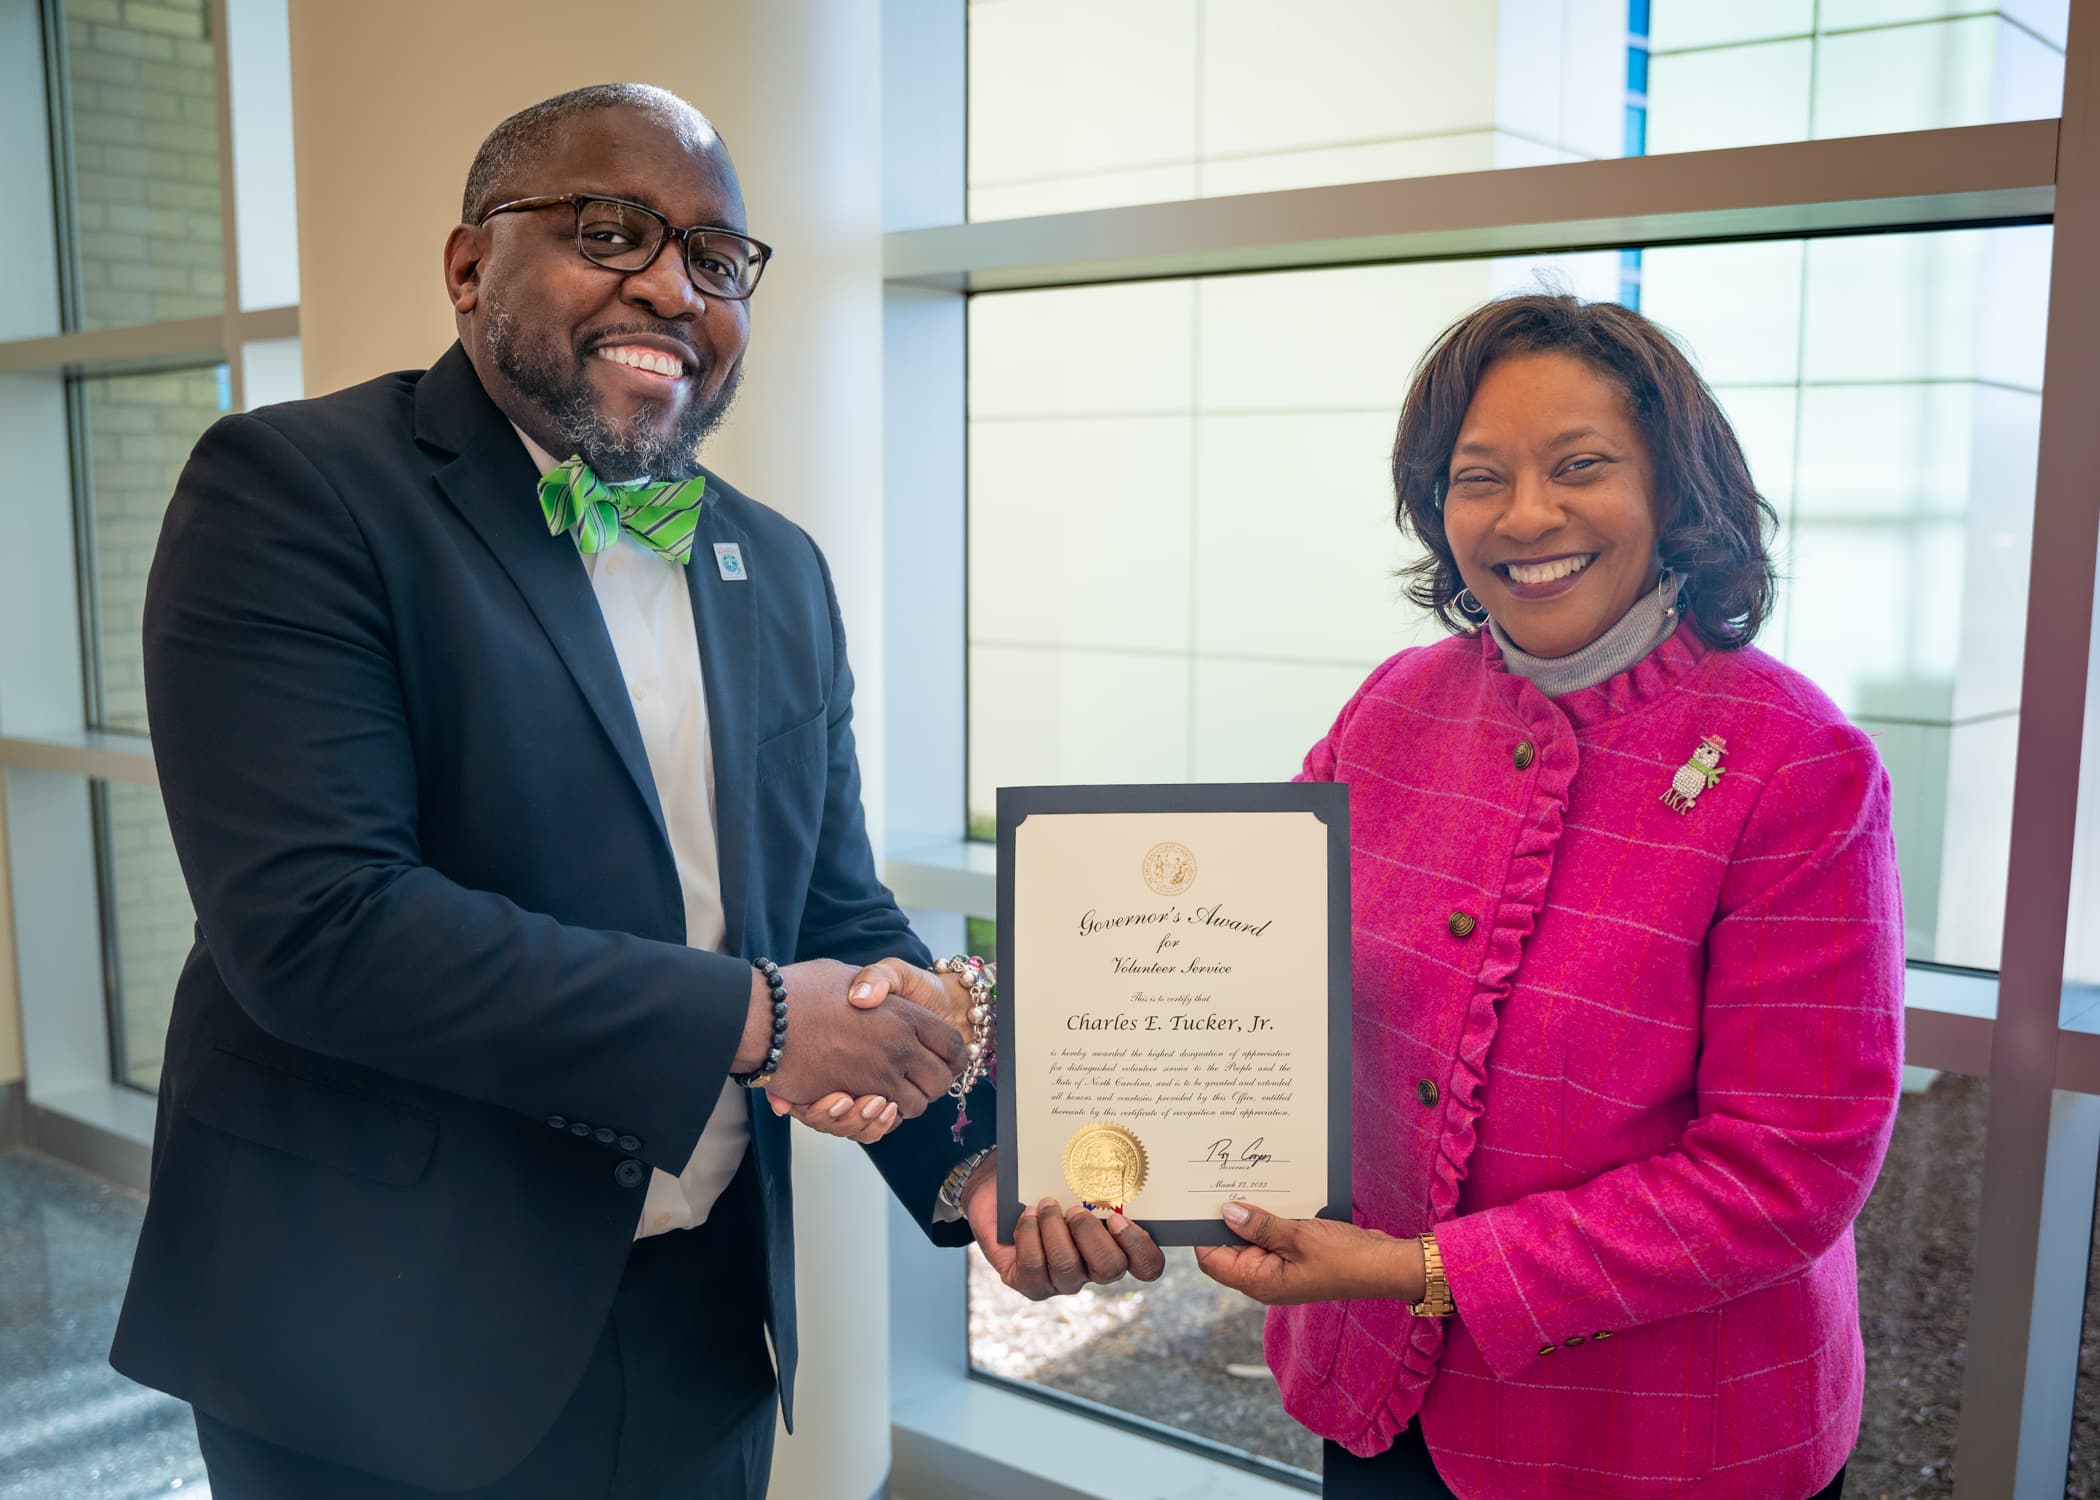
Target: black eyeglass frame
x=671 y=232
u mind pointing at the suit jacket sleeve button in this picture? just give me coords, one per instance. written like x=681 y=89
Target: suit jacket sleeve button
x=605 y=1135
x=630 y=1173
x=559 y=1122
x=579 y=1128
x=1548 y=1350
x=630 y=1143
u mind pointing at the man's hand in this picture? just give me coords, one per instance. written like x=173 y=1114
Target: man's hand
x=905 y=1054
x=1289 y=1261
x=1055 y=1252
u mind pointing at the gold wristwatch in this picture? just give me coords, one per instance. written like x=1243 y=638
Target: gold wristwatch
x=1436 y=1292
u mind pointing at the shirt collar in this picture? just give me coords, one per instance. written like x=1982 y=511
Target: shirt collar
x=547 y=462
x=540 y=456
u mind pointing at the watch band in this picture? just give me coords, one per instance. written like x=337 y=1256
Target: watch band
x=947 y=1207
x=1436 y=1291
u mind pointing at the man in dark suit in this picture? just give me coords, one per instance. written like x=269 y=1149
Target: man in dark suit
x=498 y=781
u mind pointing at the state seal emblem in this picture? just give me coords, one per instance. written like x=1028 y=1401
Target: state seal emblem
x=1169 y=868
x=1105 y=1166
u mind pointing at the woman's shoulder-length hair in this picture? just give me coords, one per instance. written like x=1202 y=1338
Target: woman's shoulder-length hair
x=1712 y=526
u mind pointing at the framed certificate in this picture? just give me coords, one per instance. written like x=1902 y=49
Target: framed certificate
x=1173 y=1022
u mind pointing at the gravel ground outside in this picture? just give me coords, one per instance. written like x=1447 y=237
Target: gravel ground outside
x=1184 y=1351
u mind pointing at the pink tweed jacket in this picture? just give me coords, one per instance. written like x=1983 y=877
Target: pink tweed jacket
x=1634 y=1059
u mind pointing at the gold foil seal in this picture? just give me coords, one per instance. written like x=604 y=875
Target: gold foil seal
x=1105 y=1166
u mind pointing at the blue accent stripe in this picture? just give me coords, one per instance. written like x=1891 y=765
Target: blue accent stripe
x=1636 y=141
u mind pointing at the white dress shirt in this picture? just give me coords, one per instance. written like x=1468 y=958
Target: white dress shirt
x=649 y=615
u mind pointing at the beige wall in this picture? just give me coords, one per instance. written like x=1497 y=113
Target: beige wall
x=390 y=98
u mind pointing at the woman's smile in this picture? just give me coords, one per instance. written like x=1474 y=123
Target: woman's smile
x=1544 y=578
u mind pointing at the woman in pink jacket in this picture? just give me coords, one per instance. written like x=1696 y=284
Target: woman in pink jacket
x=1629 y=969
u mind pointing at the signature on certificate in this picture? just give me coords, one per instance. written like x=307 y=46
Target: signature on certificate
x=1220 y=1153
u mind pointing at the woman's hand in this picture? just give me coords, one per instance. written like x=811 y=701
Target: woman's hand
x=1288 y=1261
x=943 y=994
x=863 y=1121
x=1055 y=1251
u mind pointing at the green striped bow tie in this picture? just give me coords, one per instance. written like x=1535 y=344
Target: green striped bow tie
x=662 y=517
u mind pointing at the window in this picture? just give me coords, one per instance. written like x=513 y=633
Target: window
x=139 y=430
x=150 y=925
x=119 y=344
x=1198 y=472
x=141 y=137
x=1180 y=552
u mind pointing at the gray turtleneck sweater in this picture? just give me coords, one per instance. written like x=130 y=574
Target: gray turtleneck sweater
x=1640 y=630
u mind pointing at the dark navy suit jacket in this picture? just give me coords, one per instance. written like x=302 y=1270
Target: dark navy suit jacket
x=440 y=1017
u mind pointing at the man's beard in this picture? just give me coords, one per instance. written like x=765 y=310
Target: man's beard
x=559 y=386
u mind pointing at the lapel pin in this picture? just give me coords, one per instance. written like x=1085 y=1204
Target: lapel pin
x=1696 y=775
x=729 y=562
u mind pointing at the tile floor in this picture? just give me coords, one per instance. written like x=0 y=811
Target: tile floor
x=71 y=1428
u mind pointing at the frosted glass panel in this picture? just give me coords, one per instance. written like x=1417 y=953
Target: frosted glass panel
x=1096 y=105
x=1730 y=96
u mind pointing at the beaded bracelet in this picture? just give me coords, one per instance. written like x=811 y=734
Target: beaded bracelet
x=762 y=1075
x=981 y=980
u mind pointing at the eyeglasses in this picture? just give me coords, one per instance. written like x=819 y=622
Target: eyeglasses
x=623 y=236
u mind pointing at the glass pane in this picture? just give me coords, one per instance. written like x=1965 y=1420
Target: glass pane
x=1886 y=389
x=143 y=120
x=2082 y=1474
x=1917 y=1245
x=1182 y=1351
x=1079 y=104
x=139 y=432
x=151 y=923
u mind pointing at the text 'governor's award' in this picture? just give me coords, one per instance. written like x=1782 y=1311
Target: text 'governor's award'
x=1174 y=1013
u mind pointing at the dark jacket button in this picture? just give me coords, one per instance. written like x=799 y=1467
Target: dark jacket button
x=1461 y=924
x=1426 y=1091
x=559 y=1122
x=605 y=1135
x=579 y=1128
x=630 y=1143
x=630 y=1173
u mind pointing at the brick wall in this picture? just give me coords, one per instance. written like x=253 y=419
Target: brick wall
x=146 y=160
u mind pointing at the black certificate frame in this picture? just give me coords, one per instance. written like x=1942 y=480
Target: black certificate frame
x=1326 y=800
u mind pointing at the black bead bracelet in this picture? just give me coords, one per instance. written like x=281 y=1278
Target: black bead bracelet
x=776 y=986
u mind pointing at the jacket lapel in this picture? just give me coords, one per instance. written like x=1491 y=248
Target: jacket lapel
x=490 y=483
x=724 y=618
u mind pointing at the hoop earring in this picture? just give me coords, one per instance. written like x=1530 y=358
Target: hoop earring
x=1470 y=607
x=1669 y=588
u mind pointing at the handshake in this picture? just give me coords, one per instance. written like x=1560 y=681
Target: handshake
x=865 y=1048
x=869 y=1047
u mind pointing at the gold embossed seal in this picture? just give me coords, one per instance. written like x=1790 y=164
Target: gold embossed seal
x=1169 y=868
x=1105 y=1165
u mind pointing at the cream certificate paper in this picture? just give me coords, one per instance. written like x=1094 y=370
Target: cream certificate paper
x=1174 y=993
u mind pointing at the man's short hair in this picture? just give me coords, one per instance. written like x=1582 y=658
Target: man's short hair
x=531 y=132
